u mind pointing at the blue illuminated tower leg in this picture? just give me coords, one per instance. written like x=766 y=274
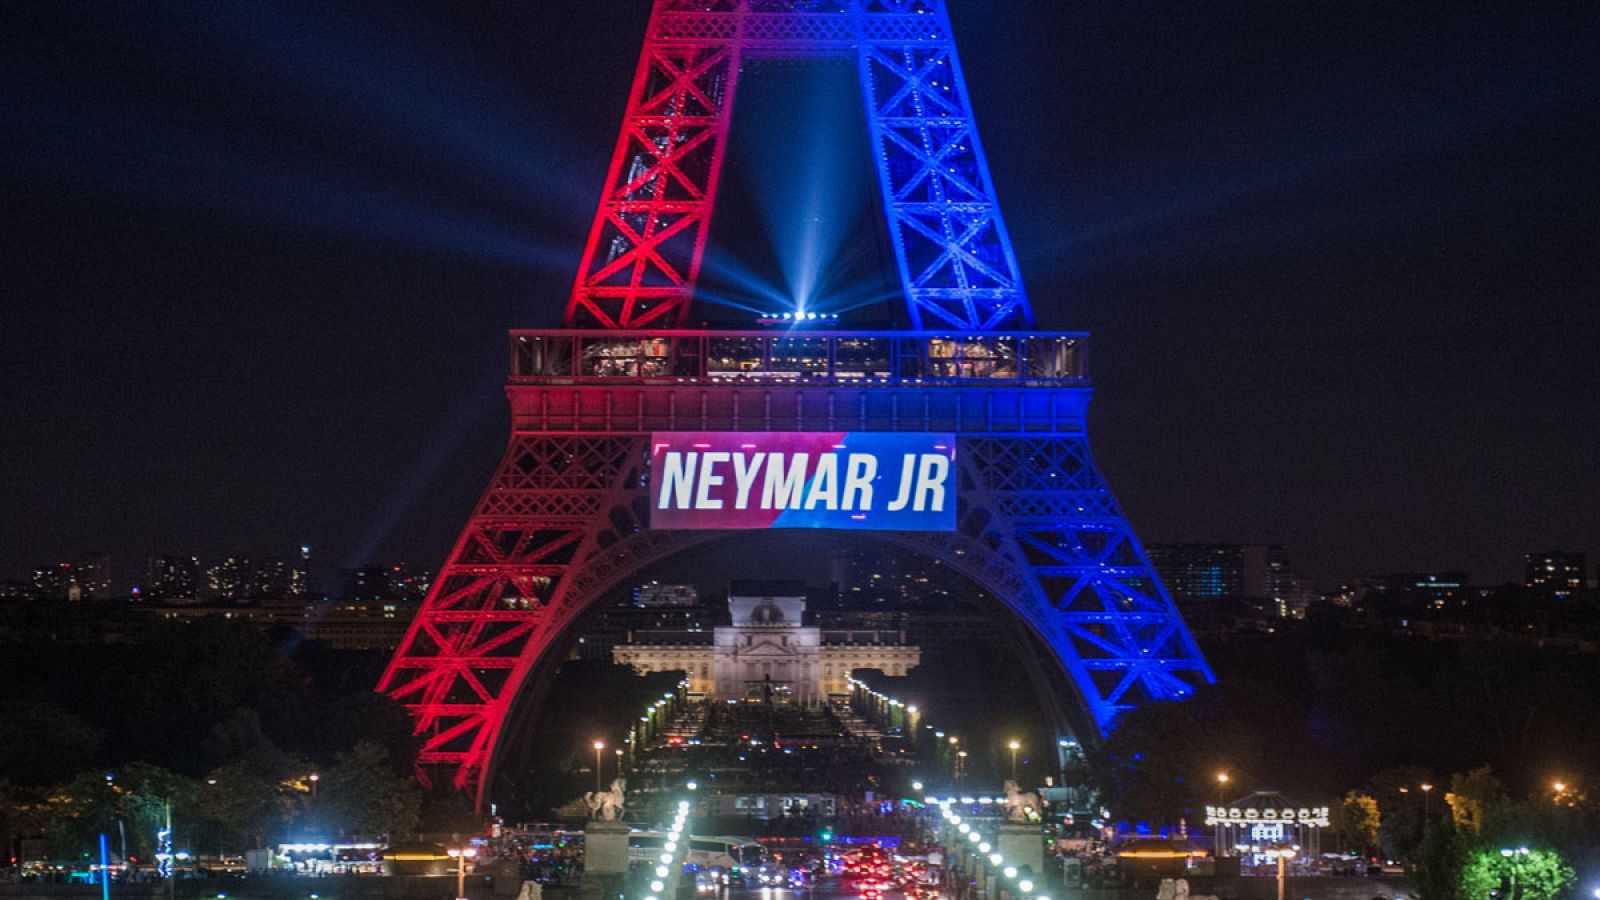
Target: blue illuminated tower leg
x=956 y=260
x=1096 y=598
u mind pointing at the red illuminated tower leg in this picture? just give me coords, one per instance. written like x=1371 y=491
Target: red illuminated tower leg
x=468 y=650
x=648 y=239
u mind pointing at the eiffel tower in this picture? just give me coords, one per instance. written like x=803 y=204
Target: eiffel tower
x=567 y=516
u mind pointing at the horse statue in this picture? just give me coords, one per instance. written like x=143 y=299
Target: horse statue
x=1021 y=806
x=606 y=806
x=1178 y=889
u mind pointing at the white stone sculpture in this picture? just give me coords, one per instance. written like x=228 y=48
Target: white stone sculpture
x=1021 y=806
x=606 y=806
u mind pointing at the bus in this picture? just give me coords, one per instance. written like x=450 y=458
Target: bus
x=710 y=852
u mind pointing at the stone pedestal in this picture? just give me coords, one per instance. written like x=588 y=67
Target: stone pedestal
x=605 y=849
x=1022 y=844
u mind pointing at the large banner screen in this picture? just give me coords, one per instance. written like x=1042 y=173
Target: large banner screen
x=849 y=480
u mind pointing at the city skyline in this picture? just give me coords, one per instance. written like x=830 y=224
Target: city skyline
x=216 y=344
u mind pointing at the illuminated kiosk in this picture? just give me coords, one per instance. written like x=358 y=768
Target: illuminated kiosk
x=973 y=419
x=1251 y=827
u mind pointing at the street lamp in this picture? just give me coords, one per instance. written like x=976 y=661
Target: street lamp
x=961 y=766
x=1222 y=800
x=1014 y=746
x=314 y=779
x=1282 y=855
x=461 y=855
x=1517 y=857
x=598 y=747
x=1427 y=802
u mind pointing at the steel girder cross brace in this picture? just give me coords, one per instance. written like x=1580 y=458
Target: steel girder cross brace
x=1042 y=503
x=497 y=602
x=643 y=257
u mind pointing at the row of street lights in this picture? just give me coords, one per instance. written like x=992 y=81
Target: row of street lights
x=669 y=852
x=958 y=757
x=986 y=851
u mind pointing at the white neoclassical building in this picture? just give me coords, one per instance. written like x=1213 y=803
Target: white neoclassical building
x=768 y=651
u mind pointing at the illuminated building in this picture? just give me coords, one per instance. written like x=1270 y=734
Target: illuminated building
x=231 y=580
x=272 y=577
x=1555 y=573
x=1202 y=572
x=768 y=651
x=94 y=576
x=655 y=594
x=1196 y=572
x=1412 y=592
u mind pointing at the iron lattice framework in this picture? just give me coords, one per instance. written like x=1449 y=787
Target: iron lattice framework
x=649 y=237
x=564 y=520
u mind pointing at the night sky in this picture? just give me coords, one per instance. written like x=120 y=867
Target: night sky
x=1340 y=261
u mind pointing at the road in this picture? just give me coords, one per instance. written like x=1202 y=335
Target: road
x=829 y=889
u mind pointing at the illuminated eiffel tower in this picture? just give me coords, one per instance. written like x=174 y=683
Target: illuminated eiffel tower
x=567 y=516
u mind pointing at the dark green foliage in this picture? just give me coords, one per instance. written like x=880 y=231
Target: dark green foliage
x=1316 y=711
x=215 y=717
x=365 y=794
x=42 y=743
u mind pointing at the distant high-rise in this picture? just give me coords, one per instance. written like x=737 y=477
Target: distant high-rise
x=1200 y=572
x=1555 y=573
x=56 y=581
x=232 y=580
x=94 y=576
x=862 y=578
x=1196 y=572
x=174 y=578
x=300 y=577
x=271 y=577
x=369 y=583
x=409 y=585
x=398 y=583
x=1418 y=591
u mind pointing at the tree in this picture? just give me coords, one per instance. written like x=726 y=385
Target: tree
x=137 y=796
x=1473 y=798
x=242 y=805
x=1521 y=874
x=20 y=813
x=362 y=794
x=1441 y=860
x=240 y=740
x=1399 y=795
x=446 y=810
x=44 y=744
x=1356 y=820
x=1147 y=773
x=178 y=686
